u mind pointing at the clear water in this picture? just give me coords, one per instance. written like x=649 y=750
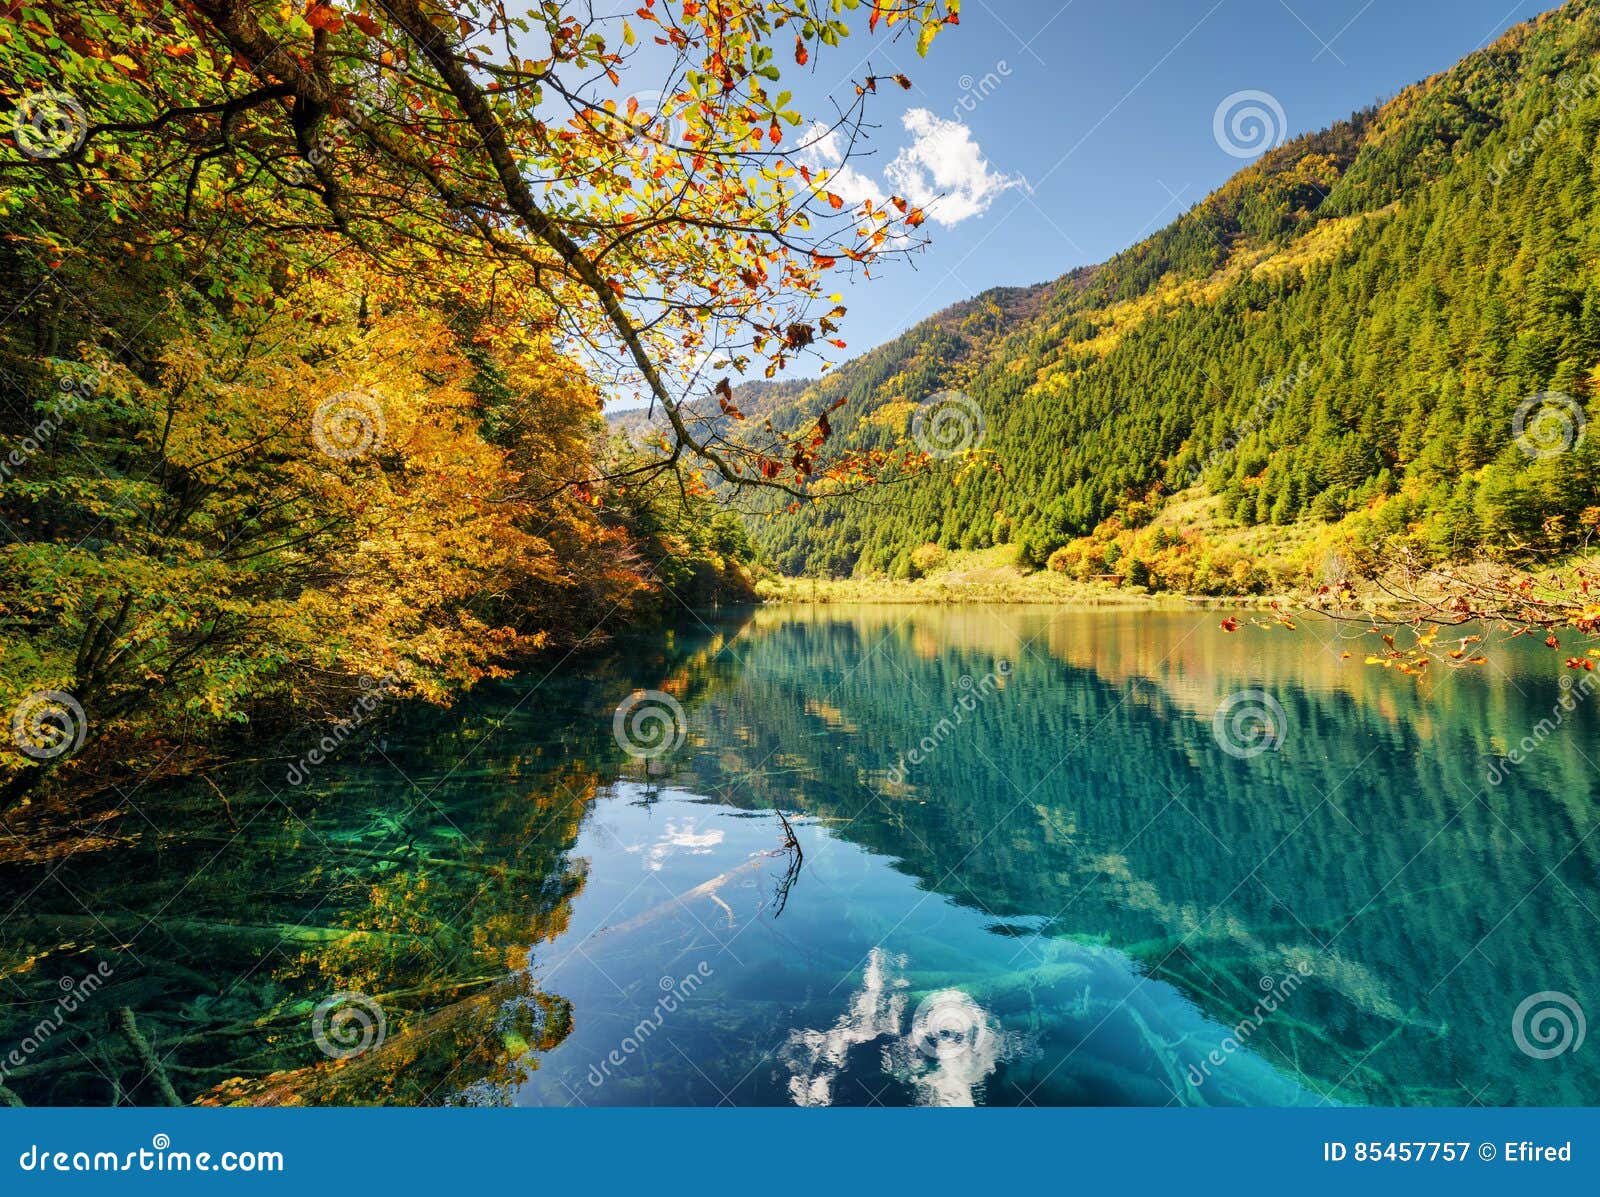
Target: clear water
x=1027 y=869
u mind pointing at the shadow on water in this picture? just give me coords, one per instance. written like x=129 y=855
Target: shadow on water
x=1034 y=864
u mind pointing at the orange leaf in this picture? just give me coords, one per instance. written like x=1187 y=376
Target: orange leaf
x=324 y=17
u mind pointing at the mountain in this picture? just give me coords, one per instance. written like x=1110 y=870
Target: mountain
x=754 y=398
x=1001 y=309
x=1387 y=331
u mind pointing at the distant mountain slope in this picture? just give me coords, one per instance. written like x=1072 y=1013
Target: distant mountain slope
x=960 y=330
x=1346 y=330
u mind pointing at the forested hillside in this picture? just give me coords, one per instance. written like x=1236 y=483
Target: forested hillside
x=1389 y=330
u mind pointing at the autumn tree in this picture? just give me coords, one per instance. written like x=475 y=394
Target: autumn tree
x=507 y=155
x=312 y=309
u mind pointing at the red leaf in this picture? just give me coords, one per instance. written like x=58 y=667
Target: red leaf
x=724 y=394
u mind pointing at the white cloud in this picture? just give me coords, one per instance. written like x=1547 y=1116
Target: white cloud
x=944 y=171
x=855 y=188
x=819 y=147
x=821 y=150
x=684 y=837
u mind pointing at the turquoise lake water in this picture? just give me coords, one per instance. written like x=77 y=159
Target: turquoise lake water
x=1037 y=856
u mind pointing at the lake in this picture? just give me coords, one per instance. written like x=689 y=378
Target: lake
x=859 y=856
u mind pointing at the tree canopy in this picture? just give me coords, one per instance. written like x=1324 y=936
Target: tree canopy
x=311 y=309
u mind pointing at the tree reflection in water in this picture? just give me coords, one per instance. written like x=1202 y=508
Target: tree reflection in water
x=1076 y=896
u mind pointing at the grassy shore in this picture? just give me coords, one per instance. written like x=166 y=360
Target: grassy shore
x=986 y=576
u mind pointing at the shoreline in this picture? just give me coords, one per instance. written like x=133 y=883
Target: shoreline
x=1019 y=592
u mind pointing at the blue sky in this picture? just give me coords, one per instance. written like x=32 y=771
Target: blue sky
x=1098 y=125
